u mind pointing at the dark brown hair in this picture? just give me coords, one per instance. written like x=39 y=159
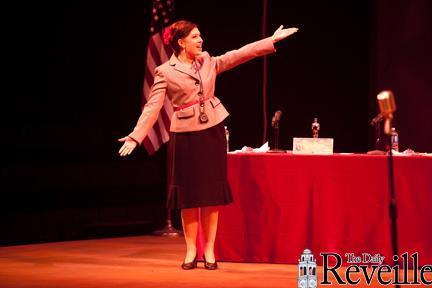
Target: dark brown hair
x=176 y=31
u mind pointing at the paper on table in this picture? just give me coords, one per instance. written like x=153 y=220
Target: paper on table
x=263 y=148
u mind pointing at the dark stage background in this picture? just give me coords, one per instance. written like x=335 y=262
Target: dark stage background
x=73 y=86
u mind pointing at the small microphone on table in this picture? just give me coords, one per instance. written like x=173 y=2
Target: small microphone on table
x=275 y=125
x=378 y=118
x=276 y=119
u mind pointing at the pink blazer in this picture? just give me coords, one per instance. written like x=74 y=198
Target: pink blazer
x=181 y=85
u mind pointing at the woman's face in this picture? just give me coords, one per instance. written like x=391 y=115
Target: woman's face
x=192 y=43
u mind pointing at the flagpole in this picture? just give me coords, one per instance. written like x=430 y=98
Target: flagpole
x=157 y=53
x=169 y=229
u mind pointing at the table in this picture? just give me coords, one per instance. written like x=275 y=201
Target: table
x=284 y=203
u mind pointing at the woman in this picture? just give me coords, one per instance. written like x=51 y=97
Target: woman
x=197 y=146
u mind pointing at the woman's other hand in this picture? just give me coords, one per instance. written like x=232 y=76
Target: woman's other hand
x=128 y=146
x=281 y=33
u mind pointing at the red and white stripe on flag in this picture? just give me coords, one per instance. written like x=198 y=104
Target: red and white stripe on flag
x=158 y=53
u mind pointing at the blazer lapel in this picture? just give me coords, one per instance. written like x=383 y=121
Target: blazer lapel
x=179 y=66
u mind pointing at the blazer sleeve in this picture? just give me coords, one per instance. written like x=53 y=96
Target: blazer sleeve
x=151 y=109
x=234 y=58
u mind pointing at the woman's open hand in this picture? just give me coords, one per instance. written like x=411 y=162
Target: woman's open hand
x=128 y=146
x=281 y=33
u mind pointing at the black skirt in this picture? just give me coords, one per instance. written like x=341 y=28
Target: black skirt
x=197 y=169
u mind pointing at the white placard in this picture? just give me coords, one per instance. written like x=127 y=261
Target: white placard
x=317 y=146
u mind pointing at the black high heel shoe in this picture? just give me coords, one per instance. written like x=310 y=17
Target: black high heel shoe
x=190 y=265
x=210 y=266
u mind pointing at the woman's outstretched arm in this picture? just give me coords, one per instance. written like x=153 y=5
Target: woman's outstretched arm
x=282 y=33
x=262 y=47
x=148 y=116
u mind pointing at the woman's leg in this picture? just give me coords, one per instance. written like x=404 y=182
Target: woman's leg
x=209 y=218
x=190 y=229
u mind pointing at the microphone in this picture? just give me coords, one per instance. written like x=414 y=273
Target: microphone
x=387 y=107
x=275 y=125
x=378 y=118
x=276 y=119
x=386 y=103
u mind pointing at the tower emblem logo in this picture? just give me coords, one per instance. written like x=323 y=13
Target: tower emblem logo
x=307 y=270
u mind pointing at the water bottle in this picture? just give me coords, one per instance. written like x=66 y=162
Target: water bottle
x=315 y=128
x=394 y=136
x=227 y=138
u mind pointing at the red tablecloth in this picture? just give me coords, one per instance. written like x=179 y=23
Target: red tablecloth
x=284 y=203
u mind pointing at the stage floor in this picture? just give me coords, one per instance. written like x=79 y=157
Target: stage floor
x=144 y=261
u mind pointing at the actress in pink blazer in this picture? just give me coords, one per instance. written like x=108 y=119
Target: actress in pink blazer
x=197 y=148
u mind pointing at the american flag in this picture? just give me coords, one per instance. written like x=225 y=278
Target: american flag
x=158 y=53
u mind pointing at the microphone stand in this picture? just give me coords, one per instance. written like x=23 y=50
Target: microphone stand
x=276 y=149
x=387 y=107
x=377 y=135
x=392 y=204
x=376 y=123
